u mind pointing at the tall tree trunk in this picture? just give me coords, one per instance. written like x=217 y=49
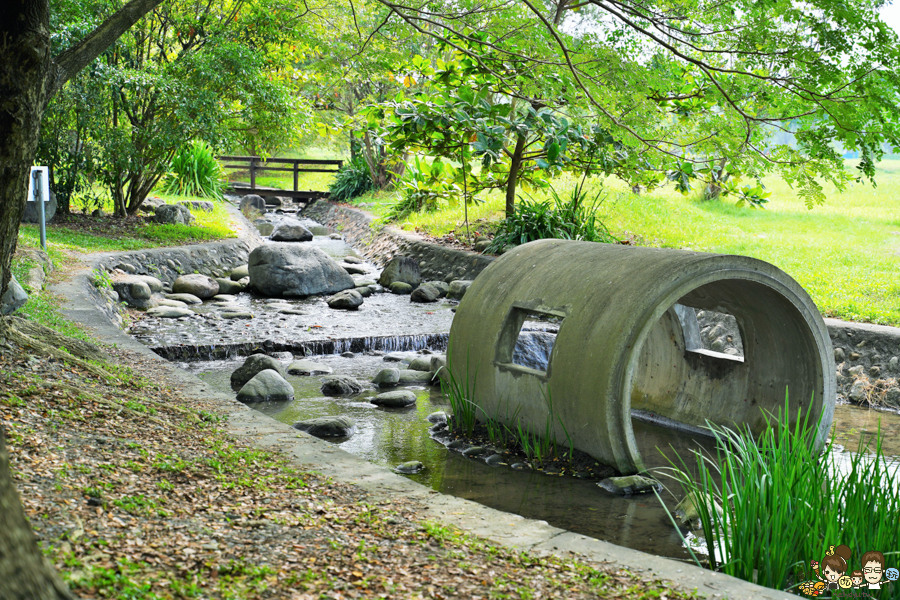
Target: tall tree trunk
x=24 y=574
x=29 y=76
x=514 y=166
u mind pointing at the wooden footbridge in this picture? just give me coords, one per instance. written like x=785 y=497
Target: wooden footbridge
x=255 y=165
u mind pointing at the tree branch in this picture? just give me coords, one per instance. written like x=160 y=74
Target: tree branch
x=71 y=61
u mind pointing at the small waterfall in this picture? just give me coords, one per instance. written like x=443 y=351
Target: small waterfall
x=390 y=343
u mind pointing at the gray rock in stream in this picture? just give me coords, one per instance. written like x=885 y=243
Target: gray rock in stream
x=289 y=229
x=186 y=298
x=421 y=363
x=355 y=269
x=629 y=485
x=341 y=385
x=201 y=286
x=387 y=378
x=458 y=288
x=410 y=376
x=240 y=272
x=425 y=293
x=237 y=314
x=402 y=269
x=308 y=367
x=227 y=286
x=170 y=312
x=409 y=467
x=255 y=363
x=282 y=269
x=346 y=300
x=266 y=386
x=437 y=417
x=395 y=399
x=400 y=288
x=326 y=427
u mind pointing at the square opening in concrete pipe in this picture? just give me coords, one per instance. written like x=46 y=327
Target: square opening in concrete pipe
x=715 y=334
x=535 y=336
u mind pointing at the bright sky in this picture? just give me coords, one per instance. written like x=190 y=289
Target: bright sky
x=891 y=15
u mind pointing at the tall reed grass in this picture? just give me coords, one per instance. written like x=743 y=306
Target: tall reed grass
x=784 y=503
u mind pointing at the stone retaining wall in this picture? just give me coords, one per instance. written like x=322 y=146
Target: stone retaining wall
x=380 y=245
x=216 y=259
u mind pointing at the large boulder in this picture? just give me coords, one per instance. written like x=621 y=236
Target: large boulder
x=325 y=427
x=255 y=364
x=201 y=286
x=281 y=270
x=266 y=386
x=32 y=210
x=135 y=291
x=173 y=214
x=252 y=202
x=289 y=229
x=14 y=298
x=403 y=269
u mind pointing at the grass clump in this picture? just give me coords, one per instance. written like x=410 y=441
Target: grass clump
x=784 y=503
x=351 y=180
x=572 y=218
x=194 y=171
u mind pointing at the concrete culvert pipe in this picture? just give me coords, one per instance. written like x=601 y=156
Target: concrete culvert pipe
x=628 y=347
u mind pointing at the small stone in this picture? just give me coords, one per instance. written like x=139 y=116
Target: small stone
x=325 y=427
x=456 y=444
x=861 y=344
x=291 y=311
x=308 y=367
x=406 y=357
x=892 y=397
x=856 y=371
x=422 y=363
x=854 y=356
x=253 y=365
x=355 y=269
x=353 y=260
x=169 y=312
x=839 y=355
x=395 y=399
x=227 y=286
x=494 y=460
x=399 y=288
x=474 y=451
x=199 y=285
x=346 y=300
x=266 y=386
x=424 y=293
x=858 y=391
x=892 y=364
x=167 y=302
x=240 y=272
x=387 y=378
x=364 y=291
x=410 y=376
x=237 y=315
x=481 y=245
x=348 y=354
x=437 y=417
x=458 y=288
x=874 y=372
x=409 y=467
x=520 y=466
x=341 y=385
x=186 y=298
x=629 y=485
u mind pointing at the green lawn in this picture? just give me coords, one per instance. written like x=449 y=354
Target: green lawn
x=846 y=253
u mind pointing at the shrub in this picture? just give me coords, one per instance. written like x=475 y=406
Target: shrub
x=351 y=180
x=194 y=171
x=425 y=185
x=568 y=219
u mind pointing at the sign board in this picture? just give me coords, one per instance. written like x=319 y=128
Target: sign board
x=43 y=189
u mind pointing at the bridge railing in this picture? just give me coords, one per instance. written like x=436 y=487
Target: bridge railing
x=295 y=166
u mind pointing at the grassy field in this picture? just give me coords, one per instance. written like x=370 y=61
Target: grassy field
x=846 y=253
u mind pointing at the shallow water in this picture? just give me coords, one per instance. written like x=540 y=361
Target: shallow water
x=391 y=436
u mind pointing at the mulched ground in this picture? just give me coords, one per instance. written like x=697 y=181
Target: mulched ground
x=135 y=492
